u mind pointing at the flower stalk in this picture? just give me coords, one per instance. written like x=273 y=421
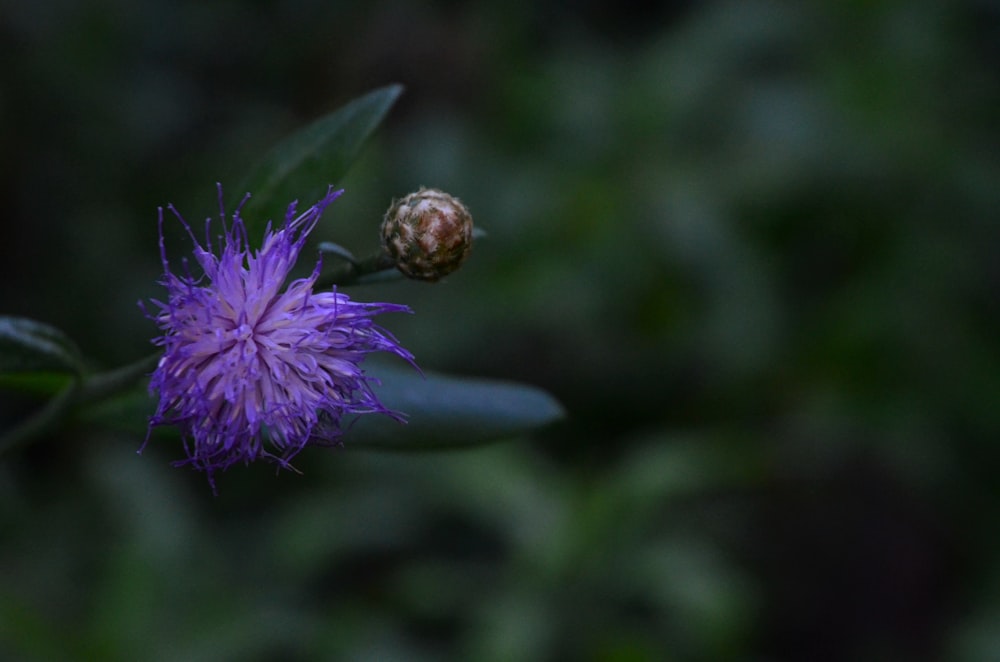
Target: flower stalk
x=377 y=267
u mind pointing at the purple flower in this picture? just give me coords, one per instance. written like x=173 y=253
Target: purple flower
x=250 y=371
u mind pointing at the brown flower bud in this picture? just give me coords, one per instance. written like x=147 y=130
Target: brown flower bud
x=428 y=234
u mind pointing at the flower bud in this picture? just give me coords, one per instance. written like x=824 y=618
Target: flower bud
x=428 y=234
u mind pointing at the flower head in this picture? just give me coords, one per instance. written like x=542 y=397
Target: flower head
x=253 y=371
x=428 y=234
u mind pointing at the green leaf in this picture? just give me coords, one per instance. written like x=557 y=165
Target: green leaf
x=442 y=411
x=304 y=164
x=36 y=382
x=450 y=412
x=29 y=346
x=338 y=250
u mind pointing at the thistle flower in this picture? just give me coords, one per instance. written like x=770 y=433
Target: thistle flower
x=250 y=371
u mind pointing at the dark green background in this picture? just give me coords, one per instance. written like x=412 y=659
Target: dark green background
x=751 y=246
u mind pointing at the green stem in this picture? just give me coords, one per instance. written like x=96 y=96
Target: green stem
x=354 y=273
x=106 y=384
x=41 y=421
x=94 y=388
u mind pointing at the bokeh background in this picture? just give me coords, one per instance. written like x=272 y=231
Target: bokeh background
x=750 y=246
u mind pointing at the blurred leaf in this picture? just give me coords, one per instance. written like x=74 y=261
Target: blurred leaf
x=304 y=164
x=28 y=635
x=338 y=250
x=450 y=412
x=442 y=411
x=30 y=346
x=36 y=357
x=36 y=382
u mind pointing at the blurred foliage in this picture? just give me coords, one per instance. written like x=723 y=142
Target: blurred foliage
x=749 y=245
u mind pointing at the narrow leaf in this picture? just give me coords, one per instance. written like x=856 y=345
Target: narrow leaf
x=38 y=383
x=441 y=411
x=304 y=164
x=30 y=346
x=450 y=412
x=338 y=250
